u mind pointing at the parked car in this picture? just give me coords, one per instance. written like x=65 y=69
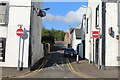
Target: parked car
x=69 y=52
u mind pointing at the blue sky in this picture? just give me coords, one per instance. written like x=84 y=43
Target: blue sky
x=62 y=14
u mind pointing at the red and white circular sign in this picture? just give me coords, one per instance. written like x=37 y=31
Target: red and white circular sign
x=20 y=32
x=95 y=34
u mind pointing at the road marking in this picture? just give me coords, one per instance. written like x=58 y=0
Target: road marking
x=34 y=72
x=78 y=74
x=65 y=77
x=55 y=65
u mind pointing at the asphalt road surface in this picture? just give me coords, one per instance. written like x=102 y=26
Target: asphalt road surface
x=56 y=65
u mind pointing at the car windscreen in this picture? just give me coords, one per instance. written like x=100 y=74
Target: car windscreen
x=69 y=49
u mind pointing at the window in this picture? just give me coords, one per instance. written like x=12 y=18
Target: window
x=2 y=49
x=3 y=13
x=97 y=16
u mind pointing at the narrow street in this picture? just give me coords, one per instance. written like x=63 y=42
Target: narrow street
x=69 y=39
x=55 y=66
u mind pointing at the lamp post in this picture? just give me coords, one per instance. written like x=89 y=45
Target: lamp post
x=41 y=12
x=90 y=32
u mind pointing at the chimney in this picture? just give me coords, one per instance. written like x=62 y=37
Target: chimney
x=69 y=28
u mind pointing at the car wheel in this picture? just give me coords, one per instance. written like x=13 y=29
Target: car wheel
x=65 y=55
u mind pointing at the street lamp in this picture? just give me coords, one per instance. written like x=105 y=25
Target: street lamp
x=90 y=31
x=41 y=12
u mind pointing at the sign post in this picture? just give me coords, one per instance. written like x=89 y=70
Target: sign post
x=19 y=33
x=96 y=34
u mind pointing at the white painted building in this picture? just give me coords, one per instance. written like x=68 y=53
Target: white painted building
x=82 y=45
x=102 y=16
x=75 y=37
x=12 y=14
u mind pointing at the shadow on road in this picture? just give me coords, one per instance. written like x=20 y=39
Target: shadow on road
x=57 y=57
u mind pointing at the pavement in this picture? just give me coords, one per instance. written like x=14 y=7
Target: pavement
x=56 y=65
x=9 y=72
x=91 y=70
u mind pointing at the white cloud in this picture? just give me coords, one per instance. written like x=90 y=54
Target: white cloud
x=70 y=17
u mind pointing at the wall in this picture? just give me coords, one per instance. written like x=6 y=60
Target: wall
x=75 y=41
x=17 y=15
x=91 y=11
x=111 y=46
x=3 y=31
x=67 y=39
x=36 y=24
x=111 y=42
x=83 y=28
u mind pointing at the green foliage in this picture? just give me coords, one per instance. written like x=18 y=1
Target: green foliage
x=49 y=36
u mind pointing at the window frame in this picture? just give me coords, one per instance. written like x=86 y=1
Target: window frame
x=2 y=49
x=97 y=17
x=6 y=15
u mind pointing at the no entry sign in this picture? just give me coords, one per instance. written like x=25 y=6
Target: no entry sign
x=20 y=32
x=95 y=34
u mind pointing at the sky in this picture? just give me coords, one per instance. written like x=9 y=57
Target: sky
x=62 y=14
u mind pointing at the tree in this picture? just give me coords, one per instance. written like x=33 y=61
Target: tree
x=48 y=36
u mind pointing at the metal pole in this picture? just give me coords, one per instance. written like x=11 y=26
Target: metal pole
x=93 y=52
x=18 y=68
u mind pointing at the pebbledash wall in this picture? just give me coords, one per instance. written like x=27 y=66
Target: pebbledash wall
x=108 y=48
x=20 y=12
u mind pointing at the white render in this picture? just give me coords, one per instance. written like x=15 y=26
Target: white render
x=74 y=41
x=111 y=46
x=111 y=43
x=21 y=16
x=91 y=23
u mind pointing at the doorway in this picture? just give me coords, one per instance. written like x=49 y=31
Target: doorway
x=96 y=51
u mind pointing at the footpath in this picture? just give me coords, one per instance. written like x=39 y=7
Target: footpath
x=84 y=67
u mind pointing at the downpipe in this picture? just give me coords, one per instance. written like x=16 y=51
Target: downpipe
x=118 y=17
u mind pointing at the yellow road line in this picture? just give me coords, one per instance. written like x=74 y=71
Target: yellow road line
x=36 y=71
x=78 y=74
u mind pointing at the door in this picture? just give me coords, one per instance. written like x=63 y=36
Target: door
x=83 y=49
x=96 y=51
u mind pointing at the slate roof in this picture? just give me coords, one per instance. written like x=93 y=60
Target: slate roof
x=72 y=29
x=78 y=33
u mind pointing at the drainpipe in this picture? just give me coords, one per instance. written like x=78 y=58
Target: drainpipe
x=118 y=17
x=118 y=26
